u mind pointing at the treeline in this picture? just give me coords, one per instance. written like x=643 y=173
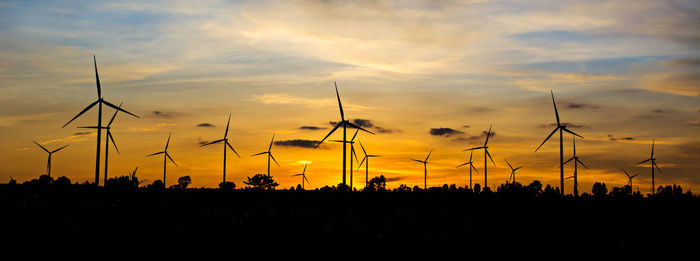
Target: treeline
x=262 y=182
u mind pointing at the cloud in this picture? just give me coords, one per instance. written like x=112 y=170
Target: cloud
x=568 y=125
x=202 y=142
x=311 y=128
x=393 y=179
x=205 y=124
x=281 y=98
x=78 y=134
x=368 y=124
x=483 y=135
x=445 y=132
x=297 y=143
x=612 y=138
x=689 y=62
x=466 y=126
x=581 y=106
x=163 y=114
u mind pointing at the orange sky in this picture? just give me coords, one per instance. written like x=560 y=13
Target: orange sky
x=622 y=75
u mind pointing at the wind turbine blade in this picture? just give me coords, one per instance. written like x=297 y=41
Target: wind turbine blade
x=545 y=140
x=634 y=176
x=97 y=78
x=231 y=147
x=472 y=166
x=304 y=171
x=42 y=147
x=426 y=158
x=168 y=142
x=488 y=134
x=518 y=168
x=489 y=154
x=353 y=153
x=171 y=159
x=643 y=161
x=462 y=164
x=271 y=141
x=340 y=105
x=418 y=160
x=567 y=130
x=118 y=108
x=584 y=165
x=363 y=161
x=114 y=116
x=556 y=112
x=261 y=153
x=355 y=135
x=511 y=167
x=56 y=150
x=652 y=147
x=569 y=177
x=227 y=124
x=81 y=112
x=156 y=153
x=111 y=138
x=91 y=127
x=657 y=166
x=296 y=175
x=273 y=159
x=628 y=175
x=358 y=127
x=307 y=180
x=471 y=153
x=565 y=162
x=475 y=148
x=363 y=147
x=373 y=156
x=329 y=134
x=210 y=143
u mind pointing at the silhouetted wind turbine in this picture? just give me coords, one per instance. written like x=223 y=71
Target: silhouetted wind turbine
x=425 y=169
x=107 y=139
x=352 y=152
x=99 y=103
x=653 y=165
x=560 y=127
x=471 y=166
x=303 y=176
x=365 y=159
x=576 y=162
x=629 y=181
x=512 y=171
x=345 y=123
x=48 y=163
x=166 y=156
x=226 y=144
x=486 y=154
x=269 y=156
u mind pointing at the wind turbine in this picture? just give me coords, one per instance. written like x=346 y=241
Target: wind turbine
x=303 y=176
x=269 y=156
x=107 y=139
x=166 y=156
x=629 y=181
x=48 y=164
x=560 y=127
x=226 y=144
x=425 y=169
x=471 y=166
x=512 y=170
x=576 y=162
x=352 y=152
x=653 y=165
x=486 y=154
x=345 y=123
x=99 y=103
x=365 y=159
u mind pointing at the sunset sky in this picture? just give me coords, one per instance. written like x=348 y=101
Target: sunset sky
x=622 y=74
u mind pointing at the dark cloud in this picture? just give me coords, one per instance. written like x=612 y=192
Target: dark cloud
x=483 y=135
x=611 y=137
x=581 y=106
x=368 y=124
x=311 y=127
x=445 y=132
x=202 y=142
x=163 y=114
x=206 y=124
x=568 y=125
x=297 y=143
x=392 y=179
x=466 y=126
x=690 y=62
x=82 y=133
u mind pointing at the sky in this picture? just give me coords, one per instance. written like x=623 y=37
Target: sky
x=421 y=75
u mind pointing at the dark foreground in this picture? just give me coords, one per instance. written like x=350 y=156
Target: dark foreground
x=339 y=225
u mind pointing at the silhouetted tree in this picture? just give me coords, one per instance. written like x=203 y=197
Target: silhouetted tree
x=342 y=187
x=157 y=185
x=599 y=189
x=621 y=192
x=377 y=183
x=261 y=181
x=299 y=187
x=477 y=188
x=550 y=191
x=535 y=187
x=229 y=185
x=183 y=182
x=417 y=188
x=403 y=188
